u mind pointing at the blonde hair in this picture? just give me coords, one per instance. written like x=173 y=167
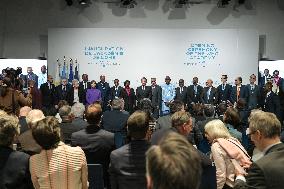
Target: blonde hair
x=9 y=128
x=217 y=129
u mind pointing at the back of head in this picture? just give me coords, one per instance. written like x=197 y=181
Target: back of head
x=232 y=117
x=94 y=114
x=62 y=103
x=266 y=123
x=198 y=109
x=174 y=163
x=24 y=111
x=216 y=129
x=64 y=111
x=78 y=110
x=117 y=104
x=146 y=106
x=176 y=106
x=138 y=124
x=222 y=107
x=34 y=116
x=46 y=132
x=9 y=128
x=209 y=110
x=241 y=103
x=179 y=118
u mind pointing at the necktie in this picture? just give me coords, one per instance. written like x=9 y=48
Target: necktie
x=252 y=87
x=143 y=88
x=49 y=86
x=85 y=85
x=238 y=92
x=195 y=89
x=223 y=87
x=208 y=93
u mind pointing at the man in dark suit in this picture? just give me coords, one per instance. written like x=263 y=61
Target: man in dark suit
x=271 y=101
x=143 y=91
x=115 y=120
x=97 y=143
x=128 y=163
x=193 y=94
x=181 y=91
x=84 y=86
x=103 y=86
x=267 y=172
x=238 y=91
x=30 y=76
x=224 y=90
x=115 y=91
x=156 y=98
x=254 y=94
x=266 y=77
x=209 y=94
x=62 y=91
x=48 y=93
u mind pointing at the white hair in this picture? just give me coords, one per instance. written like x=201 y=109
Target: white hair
x=78 y=110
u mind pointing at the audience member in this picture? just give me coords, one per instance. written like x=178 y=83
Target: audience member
x=232 y=121
x=226 y=151
x=97 y=143
x=22 y=118
x=127 y=164
x=198 y=112
x=14 y=165
x=11 y=100
x=58 y=165
x=146 y=106
x=221 y=109
x=67 y=126
x=27 y=141
x=78 y=110
x=267 y=172
x=174 y=163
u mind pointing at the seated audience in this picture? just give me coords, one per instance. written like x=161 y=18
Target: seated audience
x=97 y=143
x=58 y=165
x=67 y=126
x=267 y=172
x=78 y=110
x=232 y=122
x=26 y=139
x=197 y=112
x=127 y=164
x=14 y=165
x=60 y=104
x=22 y=118
x=174 y=163
x=224 y=150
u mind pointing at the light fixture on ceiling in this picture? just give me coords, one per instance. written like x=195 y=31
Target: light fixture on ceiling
x=82 y=2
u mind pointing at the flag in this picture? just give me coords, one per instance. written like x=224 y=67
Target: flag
x=58 y=73
x=71 y=73
x=76 y=75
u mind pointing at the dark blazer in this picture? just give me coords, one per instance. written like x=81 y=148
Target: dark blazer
x=243 y=94
x=223 y=95
x=272 y=104
x=181 y=95
x=105 y=93
x=28 y=143
x=129 y=101
x=97 y=144
x=33 y=77
x=191 y=96
x=67 y=128
x=212 y=97
x=23 y=123
x=115 y=121
x=128 y=165
x=14 y=169
x=263 y=174
x=254 y=97
x=84 y=91
x=48 y=95
x=262 y=81
x=141 y=94
x=164 y=122
x=62 y=95
x=80 y=95
x=208 y=177
x=115 y=93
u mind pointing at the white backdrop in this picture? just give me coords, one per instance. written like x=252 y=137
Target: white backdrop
x=271 y=66
x=134 y=53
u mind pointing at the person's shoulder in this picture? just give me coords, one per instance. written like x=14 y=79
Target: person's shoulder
x=119 y=152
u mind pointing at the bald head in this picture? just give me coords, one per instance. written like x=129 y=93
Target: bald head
x=34 y=116
x=24 y=111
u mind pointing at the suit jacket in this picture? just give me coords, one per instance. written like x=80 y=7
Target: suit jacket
x=128 y=165
x=67 y=128
x=272 y=104
x=48 y=95
x=115 y=93
x=28 y=143
x=156 y=96
x=14 y=169
x=97 y=144
x=70 y=97
x=212 y=99
x=115 y=121
x=262 y=80
x=105 y=91
x=192 y=96
x=84 y=90
x=181 y=95
x=263 y=174
x=23 y=123
x=141 y=94
x=254 y=97
x=223 y=95
x=61 y=94
x=129 y=101
x=164 y=122
x=243 y=93
x=26 y=79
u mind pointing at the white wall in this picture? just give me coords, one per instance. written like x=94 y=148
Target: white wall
x=24 y=23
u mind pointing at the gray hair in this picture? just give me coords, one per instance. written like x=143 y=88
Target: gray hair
x=78 y=110
x=34 y=116
x=117 y=104
x=64 y=111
